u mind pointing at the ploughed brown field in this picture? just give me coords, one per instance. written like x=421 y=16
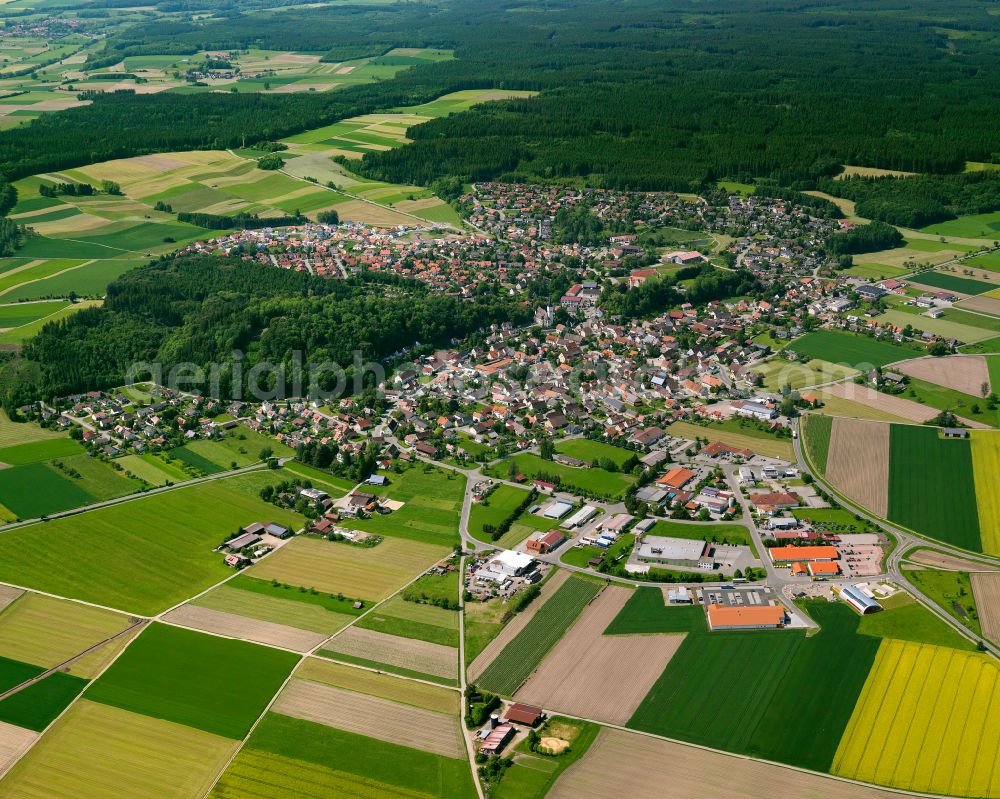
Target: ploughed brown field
x=965 y=373
x=858 y=462
x=263 y=632
x=986 y=590
x=897 y=406
x=600 y=677
x=627 y=764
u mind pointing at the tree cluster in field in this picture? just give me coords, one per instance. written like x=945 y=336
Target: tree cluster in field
x=200 y=309
x=480 y=705
x=872 y=237
x=657 y=295
x=12 y=236
x=919 y=200
x=241 y=220
x=341 y=463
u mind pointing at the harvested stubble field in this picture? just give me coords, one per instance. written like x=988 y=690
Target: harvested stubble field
x=965 y=373
x=986 y=473
x=14 y=742
x=96 y=751
x=521 y=656
x=46 y=631
x=939 y=560
x=600 y=677
x=311 y=616
x=233 y=626
x=926 y=721
x=620 y=763
x=515 y=625
x=371 y=716
x=363 y=681
x=404 y=653
x=887 y=403
x=367 y=573
x=858 y=462
x=986 y=590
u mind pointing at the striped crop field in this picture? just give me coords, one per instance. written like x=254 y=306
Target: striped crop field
x=522 y=655
x=926 y=721
x=816 y=430
x=986 y=470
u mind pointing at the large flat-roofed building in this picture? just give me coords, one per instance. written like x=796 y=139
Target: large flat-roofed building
x=793 y=554
x=675 y=551
x=582 y=516
x=743 y=617
x=557 y=510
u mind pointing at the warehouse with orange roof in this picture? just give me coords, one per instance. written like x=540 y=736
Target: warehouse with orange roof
x=803 y=554
x=746 y=617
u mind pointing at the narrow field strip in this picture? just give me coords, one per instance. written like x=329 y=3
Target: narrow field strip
x=263 y=632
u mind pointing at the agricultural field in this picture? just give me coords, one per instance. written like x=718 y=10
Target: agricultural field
x=646 y=613
x=735 y=534
x=433 y=504
x=501 y=504
x=986 y=591
x=240 y=447
x=371 y=716
x=923 y=722
x=408 y=657
x=985 y=448
x=867 y=403
x=368 y=573
x=947 y=282
x=186 y=677
x=964 y=373
x=36 y=706
x=816 y=432
x=971 y=409
x=858 y=352
x=588 y=481
x=644 y=765
x=138 y=756
x=833 y=520
x=143 y=555
x=975 y=226
x=525 y=651
x=858 y=462
x=370 y=683
x=762 y=444
x=596 y=676
x=421 y=621
x=952 y=591
x=948 y=325
x=12 y=433
x=938 y=500
x=292 y=757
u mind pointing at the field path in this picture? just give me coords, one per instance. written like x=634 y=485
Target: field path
x=515 y=625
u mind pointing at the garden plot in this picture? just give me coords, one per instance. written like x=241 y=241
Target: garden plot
x=965 y=373
x=621 y=763
x=858 y=462
x=233 y=626
x=371 y=716
x=600 y=677
x=407 y=654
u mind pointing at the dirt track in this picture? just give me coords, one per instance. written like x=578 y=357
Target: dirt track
x=600 y=677
x=636 y=766
x=515 y=625
x=372 y=716
x=264 y=632
x=858 y=463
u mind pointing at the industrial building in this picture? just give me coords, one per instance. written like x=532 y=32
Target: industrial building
x=741 y=617
x=557 y=510
x=793 y=554
x=675 y=551
x=582 y=516
x=859 y=600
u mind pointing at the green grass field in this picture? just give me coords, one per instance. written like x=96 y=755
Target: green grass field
x=846 y=348
x=931 y=487
x=951 y=591
x=191 y=678
x=816 y=431
x=734 y=436
x=36 y=451
x=411 y=620
x=23 y=313
x=905 y=619
x=645 y=613
x=963 y=285
x=288 y=757
x=501 y=504
x=36 y=706
x=525 y=651
x=586 y=450
x=974 y=226
x=833 y=520
x=144 y=555
x=944 y=398
x=433 y=506
x=36 y=490
x=591 y=481
x=735 y=534
x=12 y=433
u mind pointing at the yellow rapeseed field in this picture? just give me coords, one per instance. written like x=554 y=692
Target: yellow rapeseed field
x=928 y=720
x=986 y=471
